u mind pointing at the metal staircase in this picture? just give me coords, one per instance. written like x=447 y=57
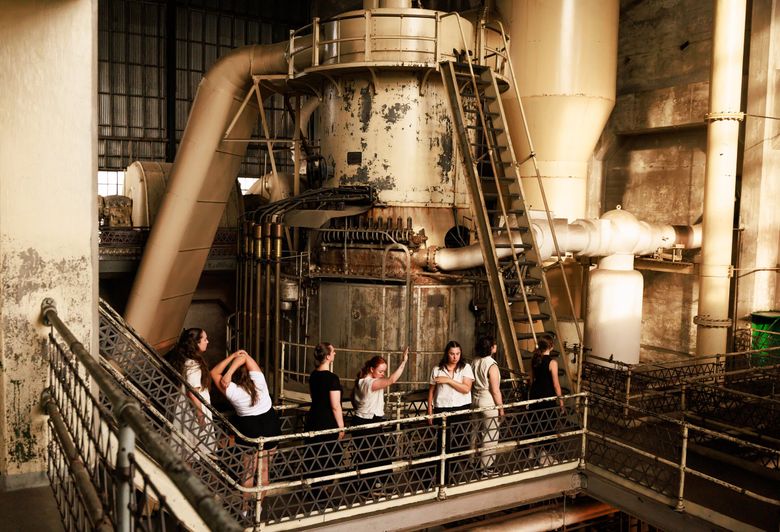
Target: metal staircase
x=518 y=286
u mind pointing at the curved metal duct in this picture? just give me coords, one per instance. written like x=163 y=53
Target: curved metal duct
x=203 y=174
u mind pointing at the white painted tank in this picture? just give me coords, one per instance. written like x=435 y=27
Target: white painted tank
x=614 y=316
x=564 y=54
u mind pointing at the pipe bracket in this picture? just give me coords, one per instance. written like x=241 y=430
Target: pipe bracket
x=711 y=117
x=712 y=323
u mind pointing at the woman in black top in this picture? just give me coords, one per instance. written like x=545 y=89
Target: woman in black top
x=544 y=374
x=323 y=452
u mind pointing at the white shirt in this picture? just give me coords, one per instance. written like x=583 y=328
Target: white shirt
x=242 y=401
x=369 y=403
x=192 y=375
x=445 y=395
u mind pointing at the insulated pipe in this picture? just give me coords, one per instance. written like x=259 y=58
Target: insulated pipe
x=720 y=176
x=616 y=231
x=203 y=174
x=549 y=518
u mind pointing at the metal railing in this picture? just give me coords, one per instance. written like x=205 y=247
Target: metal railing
x=364 y=38
x=93 y=461
x=652 y=450
x=313 y=477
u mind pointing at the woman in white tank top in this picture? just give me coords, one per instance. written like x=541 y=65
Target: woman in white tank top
x=486 y=392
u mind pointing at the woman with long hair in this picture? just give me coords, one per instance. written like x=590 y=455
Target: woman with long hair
x=369 y=403
x=187 y=360
x=244 y=385
x=449 y=391
x=487 y=393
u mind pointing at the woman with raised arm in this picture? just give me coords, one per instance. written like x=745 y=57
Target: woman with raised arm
x=369 y=401
x=245 y=387
x=487 y=392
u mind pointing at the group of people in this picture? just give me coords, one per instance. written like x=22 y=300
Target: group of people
x=455 y=385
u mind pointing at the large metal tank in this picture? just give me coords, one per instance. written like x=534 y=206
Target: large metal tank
x=564 y=53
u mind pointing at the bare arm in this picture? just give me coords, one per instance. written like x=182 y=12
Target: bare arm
x=216 y=371
x=335 y=404
x=431 y=390
x=494 y=381
x=462 y=387
x=251 y=364
x=198 y=407
x=556 y=383
x=227 y=378
x=380 y=384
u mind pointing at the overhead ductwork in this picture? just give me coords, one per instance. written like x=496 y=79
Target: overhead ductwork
x=203 y=174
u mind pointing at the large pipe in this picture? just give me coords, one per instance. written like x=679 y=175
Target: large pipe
x=617 y=231
x=549 y=518
x=713 y=320
x=204 y=172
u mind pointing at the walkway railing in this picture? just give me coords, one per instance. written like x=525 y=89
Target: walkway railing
x=100 y=480
x=652 y=451
x=313 y=477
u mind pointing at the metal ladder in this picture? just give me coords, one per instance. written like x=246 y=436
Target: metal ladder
x=501 y=216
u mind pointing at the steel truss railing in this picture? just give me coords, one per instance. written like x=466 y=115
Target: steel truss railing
x=385 y=464
x=651 y=450
x=93 y=465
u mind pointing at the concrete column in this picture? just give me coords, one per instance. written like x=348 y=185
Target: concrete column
x=721 y=175
x=759 y=213
x=48 y=213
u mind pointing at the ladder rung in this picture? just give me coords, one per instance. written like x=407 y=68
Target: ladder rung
x=536 y=298
x=534 y=317
x=510 y=246
x=494 y=195
x=529 y=336
x=499 y=179
x=518 y=212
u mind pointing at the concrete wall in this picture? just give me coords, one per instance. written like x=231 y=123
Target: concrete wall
x=48 y=244
x=653 y=149
x=760 y=190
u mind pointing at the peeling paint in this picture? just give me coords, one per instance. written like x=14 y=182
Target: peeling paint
x=365 y=108
x=395 y=112
x=445 y=157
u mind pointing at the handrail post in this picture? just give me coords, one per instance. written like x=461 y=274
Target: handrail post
x=280 y=369
x=584 y=431
x=124 y=478
x=443 y=460
x=315 y=42
x=259 y=459
x=683 y=459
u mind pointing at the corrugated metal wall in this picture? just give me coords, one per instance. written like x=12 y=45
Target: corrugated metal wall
x=134 y=81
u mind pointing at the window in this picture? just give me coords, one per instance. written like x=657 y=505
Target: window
x=111 y=182
x=246 y=183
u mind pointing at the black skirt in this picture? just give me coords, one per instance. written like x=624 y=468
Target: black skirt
x=266 y=425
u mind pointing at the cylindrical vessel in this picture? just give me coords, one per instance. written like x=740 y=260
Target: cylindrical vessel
x=564 y=55
x=394 y=134
x=614 y=316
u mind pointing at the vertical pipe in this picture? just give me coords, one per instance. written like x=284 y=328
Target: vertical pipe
x=723 y=121
x=584 y=432
x=277 y=236
x=126 y=438
x=266 y=290
x=443 y=459
x=246 y=333
x=258 y=294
